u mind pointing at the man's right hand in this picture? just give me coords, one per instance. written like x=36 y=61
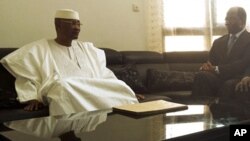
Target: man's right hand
x=207 y=67
x=33 y=105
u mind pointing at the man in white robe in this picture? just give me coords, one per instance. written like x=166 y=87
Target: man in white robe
x=69 y=76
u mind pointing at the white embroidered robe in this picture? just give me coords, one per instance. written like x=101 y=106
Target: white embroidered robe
x=68 y=85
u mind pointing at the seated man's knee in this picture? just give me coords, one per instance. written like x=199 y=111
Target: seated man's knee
x=227 y=90
x=229 y=85
x=203 y=76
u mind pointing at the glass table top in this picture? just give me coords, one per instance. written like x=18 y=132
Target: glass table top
x=160 y=127
x=156 y=128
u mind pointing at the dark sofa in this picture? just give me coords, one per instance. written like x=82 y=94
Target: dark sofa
x=156 y=75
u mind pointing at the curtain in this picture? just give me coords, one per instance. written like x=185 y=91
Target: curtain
x=190 y=29
x=154 y=25
x=193 y=25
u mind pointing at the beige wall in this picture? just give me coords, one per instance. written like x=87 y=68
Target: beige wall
x=106 y=23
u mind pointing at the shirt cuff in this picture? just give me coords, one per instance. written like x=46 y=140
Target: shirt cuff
x=217 y=70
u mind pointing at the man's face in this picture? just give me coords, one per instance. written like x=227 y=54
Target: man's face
x=69 y=29
x=233 y=22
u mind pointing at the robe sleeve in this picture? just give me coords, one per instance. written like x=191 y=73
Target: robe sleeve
x=26 y=89
x=25 y=65
x=100 y=61
x=106 y=72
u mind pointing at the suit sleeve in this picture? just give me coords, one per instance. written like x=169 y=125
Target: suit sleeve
x=236 y=63
x=213 y=54
x=247 y=72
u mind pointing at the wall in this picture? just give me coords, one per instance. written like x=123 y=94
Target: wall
x=106 y=23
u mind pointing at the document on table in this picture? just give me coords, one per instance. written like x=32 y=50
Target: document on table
x=149 y=108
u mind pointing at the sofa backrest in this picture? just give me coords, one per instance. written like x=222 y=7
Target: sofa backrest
x=142 y=57
x=150 y=57
x=113 y=57
x=185 y=61
x=175 y=61
x=141 y=63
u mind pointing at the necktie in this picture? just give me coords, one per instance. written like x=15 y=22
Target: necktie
x=231 y=42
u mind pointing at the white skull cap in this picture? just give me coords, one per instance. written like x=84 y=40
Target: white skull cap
x=67 y=14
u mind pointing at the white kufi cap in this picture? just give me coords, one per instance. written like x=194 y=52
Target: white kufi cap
x=67 y=14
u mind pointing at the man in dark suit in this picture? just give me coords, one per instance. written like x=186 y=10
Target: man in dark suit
x=236 y=99
x=228 y=58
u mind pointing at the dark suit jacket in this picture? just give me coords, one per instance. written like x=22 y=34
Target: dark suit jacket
x=247 y=72
x=234 y=64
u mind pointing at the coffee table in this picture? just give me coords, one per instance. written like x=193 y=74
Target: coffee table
x=197 y=118
x=175 y=126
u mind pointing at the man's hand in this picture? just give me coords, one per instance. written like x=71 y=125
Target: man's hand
x=243 y=85
x=140 y=97
x=33 y=105
x=207 y=67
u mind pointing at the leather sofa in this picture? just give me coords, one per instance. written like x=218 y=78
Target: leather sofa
x=155 y=75
x=151 y=73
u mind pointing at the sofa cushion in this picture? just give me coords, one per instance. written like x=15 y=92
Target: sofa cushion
x=131 y=77
x=161 y=80
x=7 y=89
x=8 y=99
x=7 y=81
